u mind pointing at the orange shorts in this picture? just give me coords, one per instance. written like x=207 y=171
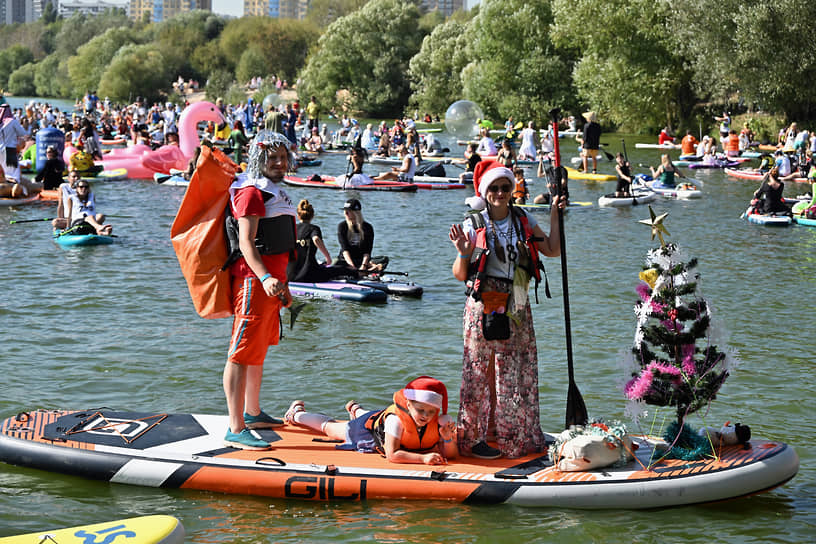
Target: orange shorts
x=256 y=324
x=591 y=153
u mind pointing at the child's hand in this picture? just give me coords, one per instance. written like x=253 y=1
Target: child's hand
x=434 y=459
x=447 y=427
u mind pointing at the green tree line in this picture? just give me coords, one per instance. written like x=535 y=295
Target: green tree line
x=641 y=64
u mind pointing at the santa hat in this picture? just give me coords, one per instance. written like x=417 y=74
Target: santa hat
x=485 y=173
x=428 y=390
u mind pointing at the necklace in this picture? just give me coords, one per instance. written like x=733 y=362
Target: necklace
x=507 y=236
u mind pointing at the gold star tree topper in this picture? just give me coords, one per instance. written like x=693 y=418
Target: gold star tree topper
x=656 y=223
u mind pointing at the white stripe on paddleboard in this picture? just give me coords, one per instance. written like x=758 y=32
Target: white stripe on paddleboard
x=143 y=472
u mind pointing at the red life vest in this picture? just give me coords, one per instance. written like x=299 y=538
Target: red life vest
x=413 y=438
x=478 y=260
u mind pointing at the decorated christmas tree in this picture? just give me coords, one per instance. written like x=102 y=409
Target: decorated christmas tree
x=675 y=360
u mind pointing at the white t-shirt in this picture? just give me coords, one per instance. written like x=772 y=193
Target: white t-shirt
x=507 y=238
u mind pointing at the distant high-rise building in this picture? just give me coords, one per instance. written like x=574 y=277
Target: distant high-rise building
x=445 y=7
x=283 y=9
x=165 y=9
x=94 y=7
x=16 y=11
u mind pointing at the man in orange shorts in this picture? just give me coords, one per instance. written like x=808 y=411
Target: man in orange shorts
x=263 y=223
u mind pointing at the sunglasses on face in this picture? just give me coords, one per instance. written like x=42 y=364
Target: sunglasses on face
x=82 y=186
x=497 y=188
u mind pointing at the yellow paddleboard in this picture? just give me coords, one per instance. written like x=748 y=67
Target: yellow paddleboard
x=141 y=530
x=577 y=174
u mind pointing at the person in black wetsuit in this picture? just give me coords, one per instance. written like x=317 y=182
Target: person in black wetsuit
x=51 y=173
x=622 y=169
x=306 y=269
x=768 y=198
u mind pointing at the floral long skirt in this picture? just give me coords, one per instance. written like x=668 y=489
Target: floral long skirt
x=515 y=371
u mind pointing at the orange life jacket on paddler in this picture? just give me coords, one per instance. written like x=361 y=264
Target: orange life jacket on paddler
x=732 y=143
x=413 y=438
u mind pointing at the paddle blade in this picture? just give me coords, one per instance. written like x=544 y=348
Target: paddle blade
x=293 y=313
x=576 y=409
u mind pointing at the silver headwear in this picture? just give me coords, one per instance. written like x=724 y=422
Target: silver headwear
x=263 y=141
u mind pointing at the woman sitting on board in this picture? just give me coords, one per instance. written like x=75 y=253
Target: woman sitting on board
x=768 y=198
x=416 y=428
x=309 y=241
x=506 y=155
x=81 y=212
x=356 y=237
x=666 y=171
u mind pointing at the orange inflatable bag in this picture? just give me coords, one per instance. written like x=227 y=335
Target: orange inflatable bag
x=198 y=234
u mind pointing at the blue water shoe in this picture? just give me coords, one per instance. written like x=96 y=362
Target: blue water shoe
x=261 y=421
x=245 y=440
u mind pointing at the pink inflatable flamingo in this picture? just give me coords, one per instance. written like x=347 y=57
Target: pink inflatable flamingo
x=142 y=162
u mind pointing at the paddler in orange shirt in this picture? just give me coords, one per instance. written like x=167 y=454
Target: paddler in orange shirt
x=688 y=145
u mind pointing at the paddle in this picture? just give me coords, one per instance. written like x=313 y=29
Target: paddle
x=162 y=178
x=576 y=409
x=15 y=222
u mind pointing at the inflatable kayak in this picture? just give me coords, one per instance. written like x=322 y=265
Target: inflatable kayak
x=141 y=530
x=329 y=182
x=804 y=221
x=681 y=191
x=30 y=199
x=637 y=198
x=767 y=220
x=186 y=451
x=340 y=290
x=70 y=240
x=755 y=175
x=588 y=176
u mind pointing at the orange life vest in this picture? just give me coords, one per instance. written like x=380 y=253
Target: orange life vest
x=520 y=190
x=413 y=438
x=732 y=143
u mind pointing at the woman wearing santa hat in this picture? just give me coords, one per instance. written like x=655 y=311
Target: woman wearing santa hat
x=416 y=428
x=498 y=250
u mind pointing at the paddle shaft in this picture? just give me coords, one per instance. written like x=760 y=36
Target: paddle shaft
x=14 y=222
x=576 y=410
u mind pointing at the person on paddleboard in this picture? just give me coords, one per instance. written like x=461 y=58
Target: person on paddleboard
x=80 y=211
x=666 y=172
x=356 y=238
x=264 y=217
x=590 y=140
x=416 y=428
x=306 y=269
x=624 y=173
x=768 y=198
x=498 y=254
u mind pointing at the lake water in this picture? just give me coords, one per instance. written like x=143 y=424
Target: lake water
x=113 y=326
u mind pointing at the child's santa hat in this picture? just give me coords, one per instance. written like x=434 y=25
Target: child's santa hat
x=428 y=390
x=485 y=173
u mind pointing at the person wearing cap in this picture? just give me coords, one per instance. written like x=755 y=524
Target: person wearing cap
x=498 y=254
x=262 y=223
x=590 y=139
x=356 y=238
x=51 y=174
x=416 y=428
